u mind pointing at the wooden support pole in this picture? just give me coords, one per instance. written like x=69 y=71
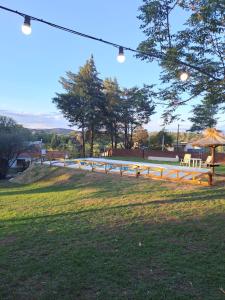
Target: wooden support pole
x=213 y=159
x=121 y=173
x=210 y=178
x=137 y=172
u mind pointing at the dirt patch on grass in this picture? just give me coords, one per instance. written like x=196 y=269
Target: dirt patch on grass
x=58 y=175
x=52 y=175
x=32 y=174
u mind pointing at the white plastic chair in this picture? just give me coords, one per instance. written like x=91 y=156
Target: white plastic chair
x=186 y=161
x=207 y=162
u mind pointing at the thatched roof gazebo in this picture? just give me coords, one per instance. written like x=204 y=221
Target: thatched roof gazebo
x=211 y=138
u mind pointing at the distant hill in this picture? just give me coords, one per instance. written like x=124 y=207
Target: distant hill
x=64 y=131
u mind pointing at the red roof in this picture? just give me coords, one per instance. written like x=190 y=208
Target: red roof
x=29 y=155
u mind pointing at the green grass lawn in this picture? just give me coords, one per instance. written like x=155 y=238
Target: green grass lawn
x=79 y=235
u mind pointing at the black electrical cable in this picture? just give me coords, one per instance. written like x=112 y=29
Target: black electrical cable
x=158 y=55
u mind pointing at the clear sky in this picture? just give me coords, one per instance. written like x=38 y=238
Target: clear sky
x=31 y=65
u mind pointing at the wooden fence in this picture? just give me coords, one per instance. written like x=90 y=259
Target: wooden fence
x=220 y=157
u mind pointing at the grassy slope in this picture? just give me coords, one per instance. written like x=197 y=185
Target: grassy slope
x=78 y=235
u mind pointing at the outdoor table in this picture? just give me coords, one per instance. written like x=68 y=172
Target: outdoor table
x=196 y=162
x=213 y=165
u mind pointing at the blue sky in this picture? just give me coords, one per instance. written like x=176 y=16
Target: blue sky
x=31 y=65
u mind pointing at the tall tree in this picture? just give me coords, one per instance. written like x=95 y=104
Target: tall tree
x=141 y=137
x=55 y=141
x=83 y=103
x=204 y=116
x=136 y=108
x=112 y=109
x=199 y=45
x=13 y=140
x=161 y=139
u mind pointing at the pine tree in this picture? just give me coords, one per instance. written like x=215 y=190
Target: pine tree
x=91 y=90
x=83 y=103
x=136 y=109
x=204 y=116
x=112 y=109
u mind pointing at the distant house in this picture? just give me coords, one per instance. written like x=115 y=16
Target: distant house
x=189 y=147
x=36 y=143
x=33 y=153
x=24 y=159
x=185 y=147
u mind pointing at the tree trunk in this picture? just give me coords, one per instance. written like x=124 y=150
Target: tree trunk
x=213 y=159
x=115 y=136
x=3 y=168
x=112 y=144
x=83 y=142
x=125 y=137
x=92 y=141
x=116 y=141
x=131 y=137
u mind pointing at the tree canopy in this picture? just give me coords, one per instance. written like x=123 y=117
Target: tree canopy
x=204 y=116
x=13 y=138
x=137 y=107
x=83 y=103
x=160 y=140
x=95 y=106
x=141 y=137
x=112 y=109
x=197 y=48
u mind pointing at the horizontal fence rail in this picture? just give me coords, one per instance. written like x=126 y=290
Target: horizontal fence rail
x=137 y=169
x=219 y=158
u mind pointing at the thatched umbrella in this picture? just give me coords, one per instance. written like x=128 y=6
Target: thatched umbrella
x=211 y=138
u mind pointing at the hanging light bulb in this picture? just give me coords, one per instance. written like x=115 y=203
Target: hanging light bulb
x=121 y=57
x=26 y=28
x=184 y=76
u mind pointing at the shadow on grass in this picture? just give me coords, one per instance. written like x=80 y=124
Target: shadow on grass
x=144 y=260
x=103 y=252
x=110 y=188
x=191 y=197
x=108 y=184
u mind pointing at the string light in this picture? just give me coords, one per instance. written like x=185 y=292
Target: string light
x=184 y=76
x=26 y=28
x=121 y=57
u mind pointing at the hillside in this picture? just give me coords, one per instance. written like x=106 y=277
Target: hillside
x=63 y=131
x=69 y=234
